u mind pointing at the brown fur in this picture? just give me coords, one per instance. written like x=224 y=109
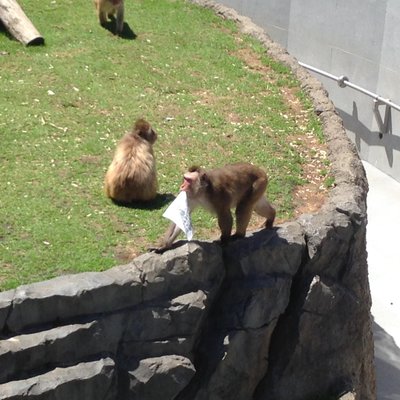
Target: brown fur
x=108 y=8
x=240 y=186
x=131 y=175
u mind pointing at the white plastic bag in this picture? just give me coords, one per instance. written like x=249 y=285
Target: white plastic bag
x=179 y=213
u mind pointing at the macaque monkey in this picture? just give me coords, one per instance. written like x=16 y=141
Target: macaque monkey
x=131 y=175
x=239 y=186
x=108 y=8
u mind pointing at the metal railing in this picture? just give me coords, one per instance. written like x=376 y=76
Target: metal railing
x=343 y=81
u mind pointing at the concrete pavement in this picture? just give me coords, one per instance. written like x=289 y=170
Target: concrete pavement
x=383 y=245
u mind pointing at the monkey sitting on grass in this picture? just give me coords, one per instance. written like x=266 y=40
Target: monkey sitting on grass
x=132 y=175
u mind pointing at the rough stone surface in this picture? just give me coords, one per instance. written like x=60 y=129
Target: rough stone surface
x=159 y=378
x=170 y=301
x=81 y=294
x=281 y=314
x=90 y=380
x=5 y=307
x=25 y=353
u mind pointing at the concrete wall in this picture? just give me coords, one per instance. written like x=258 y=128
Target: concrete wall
x=356 y=38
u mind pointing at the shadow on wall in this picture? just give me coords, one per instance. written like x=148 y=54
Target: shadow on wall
x=387 y=365
x=389 y=141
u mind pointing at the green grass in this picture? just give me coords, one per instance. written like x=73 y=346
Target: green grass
x=63 y=107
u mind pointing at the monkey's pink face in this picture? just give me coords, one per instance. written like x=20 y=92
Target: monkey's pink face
x=188 y=181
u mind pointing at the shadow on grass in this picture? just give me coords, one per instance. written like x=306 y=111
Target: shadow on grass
x=3 y=30
x=127 y=32
x=160 y=201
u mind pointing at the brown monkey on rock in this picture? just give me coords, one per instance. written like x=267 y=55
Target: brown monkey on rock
x=240 y=186
x=132 y=175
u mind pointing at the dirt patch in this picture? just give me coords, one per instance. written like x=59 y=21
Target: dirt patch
x=125 y=254
x=90 y=159
x=309 y=197
x=253 y=62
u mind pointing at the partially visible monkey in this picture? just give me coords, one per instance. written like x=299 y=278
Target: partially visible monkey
x=131 y=175
x=239 y=186
x=108 y=8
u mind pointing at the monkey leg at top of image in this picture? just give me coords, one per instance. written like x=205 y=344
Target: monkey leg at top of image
x=108 y=9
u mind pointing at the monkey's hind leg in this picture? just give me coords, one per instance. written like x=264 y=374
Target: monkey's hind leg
x=243 y=215
x=225 y=222
x=264 y=209
x=102 y=17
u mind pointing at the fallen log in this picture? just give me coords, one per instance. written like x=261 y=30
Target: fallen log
x=18 y=24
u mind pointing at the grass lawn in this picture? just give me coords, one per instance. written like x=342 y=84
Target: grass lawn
x=211 y=93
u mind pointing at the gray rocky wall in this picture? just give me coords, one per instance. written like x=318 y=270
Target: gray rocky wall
x=355 y=38
x=281 y=314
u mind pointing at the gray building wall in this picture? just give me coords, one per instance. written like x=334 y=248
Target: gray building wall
x=356 y=38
